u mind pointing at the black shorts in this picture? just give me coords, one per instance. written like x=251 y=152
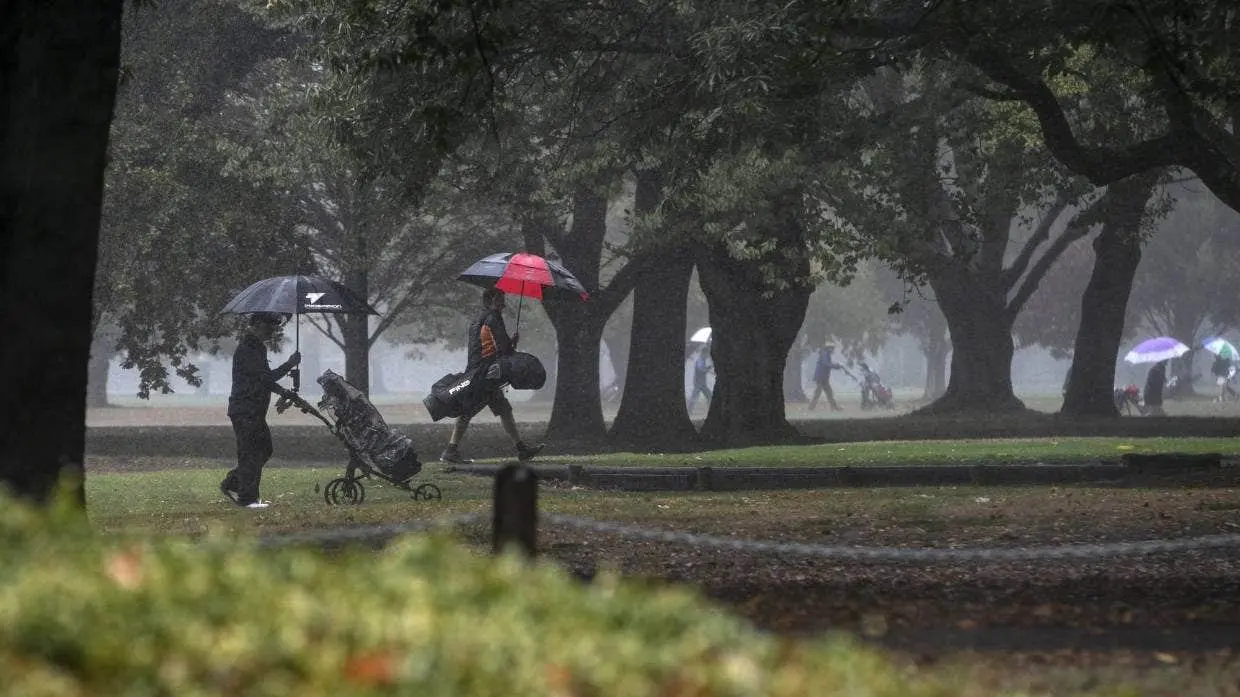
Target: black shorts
x=498 y=403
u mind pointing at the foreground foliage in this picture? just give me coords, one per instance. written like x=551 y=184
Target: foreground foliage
x=83 y=615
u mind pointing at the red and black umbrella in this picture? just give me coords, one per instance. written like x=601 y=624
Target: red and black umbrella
x=525 y=275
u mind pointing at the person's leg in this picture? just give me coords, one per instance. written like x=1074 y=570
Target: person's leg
x=813 y=402
x=452 y=453
x=826 y=389
x=228 y=487
x=253 y=450
x=501 y=407
x=458 y=431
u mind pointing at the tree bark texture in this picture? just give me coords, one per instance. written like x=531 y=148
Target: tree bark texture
x=58 y=74
x=936 y=348
x=102 y=349
x=794 y=378
x=750 y=339
x=1117 y=253
x=577 y=414
x=982 y=347
x=652 y=409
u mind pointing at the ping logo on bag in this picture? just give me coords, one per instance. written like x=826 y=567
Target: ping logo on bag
x=457 y=388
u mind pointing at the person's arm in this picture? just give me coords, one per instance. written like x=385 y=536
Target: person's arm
x=251 y=365
x=284 y=368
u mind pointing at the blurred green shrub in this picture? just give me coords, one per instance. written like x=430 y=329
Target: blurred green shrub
x=85 y=615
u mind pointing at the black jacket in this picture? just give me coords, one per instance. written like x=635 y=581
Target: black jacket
x=488 y=340
x=253 y=379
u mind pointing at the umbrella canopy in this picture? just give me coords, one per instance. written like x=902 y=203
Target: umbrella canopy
x=701 y=336
x=1221 y=348
x=1160 y=348
x=296 y=295
x=526 y=275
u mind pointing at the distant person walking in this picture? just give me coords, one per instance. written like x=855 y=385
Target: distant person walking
x=1154 y=383
x=701 y=368
x=822 y=377
x=253 y=382
x=1224 y=371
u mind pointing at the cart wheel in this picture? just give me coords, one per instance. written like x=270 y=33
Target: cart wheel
x=344 y=491
x=427 y=492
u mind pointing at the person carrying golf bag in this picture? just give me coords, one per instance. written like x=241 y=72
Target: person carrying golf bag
x=488 y=344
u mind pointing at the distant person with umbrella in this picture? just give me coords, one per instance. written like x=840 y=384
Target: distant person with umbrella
x=253 y=382
x=1154 y=383
x=701 y=369
x=488 y=341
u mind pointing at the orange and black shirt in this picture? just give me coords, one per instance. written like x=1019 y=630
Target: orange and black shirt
x=488 y=339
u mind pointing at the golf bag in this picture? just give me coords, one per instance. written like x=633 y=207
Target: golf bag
x=465 y=394
x=523 y=371
x=365 y=432
x=460 y=394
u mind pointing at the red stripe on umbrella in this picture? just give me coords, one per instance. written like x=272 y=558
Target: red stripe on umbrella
x=525 y=274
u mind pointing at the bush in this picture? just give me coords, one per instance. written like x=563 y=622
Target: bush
x=84 y=615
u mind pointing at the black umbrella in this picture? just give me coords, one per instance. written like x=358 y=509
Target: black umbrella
x=297 y=295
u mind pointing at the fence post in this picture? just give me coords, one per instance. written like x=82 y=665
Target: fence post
x=515 y=510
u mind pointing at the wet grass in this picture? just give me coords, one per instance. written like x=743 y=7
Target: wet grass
x=905 y=453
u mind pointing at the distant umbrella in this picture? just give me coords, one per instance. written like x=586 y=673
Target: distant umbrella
x=1220 y=347
x=1155 y=350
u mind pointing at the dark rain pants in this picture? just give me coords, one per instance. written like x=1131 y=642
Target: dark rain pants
x=253 y=451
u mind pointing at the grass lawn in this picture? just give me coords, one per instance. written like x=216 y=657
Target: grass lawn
x=954 y=452
x=178 y=495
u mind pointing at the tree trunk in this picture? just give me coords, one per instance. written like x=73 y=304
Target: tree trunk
x=58 y=74
x=750 y=339
x=936 y=349
x=1117 y=252
x=981 y=334
x=205 y=365
x=355 y=332
x=355 y=328
x=102 y=348
x=794 y=380
x=652 y=409
x=577 y=414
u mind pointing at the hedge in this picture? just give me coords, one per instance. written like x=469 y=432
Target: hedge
x=82 y=614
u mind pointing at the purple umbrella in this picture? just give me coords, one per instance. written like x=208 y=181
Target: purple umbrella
x=1160 y=348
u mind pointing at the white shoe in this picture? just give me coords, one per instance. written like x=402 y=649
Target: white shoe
x=257 y=505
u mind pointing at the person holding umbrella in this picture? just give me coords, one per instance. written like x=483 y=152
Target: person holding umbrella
x=488 y=341
x=253 y=382
x=1154 y=383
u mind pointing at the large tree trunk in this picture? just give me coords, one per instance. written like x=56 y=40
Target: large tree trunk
x=980 y=326
x=1117 y=252
x=652 y=410
x=936 y=348
x=794 y=379
x=750 y=339
x=58 y=73
x=577 y=413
